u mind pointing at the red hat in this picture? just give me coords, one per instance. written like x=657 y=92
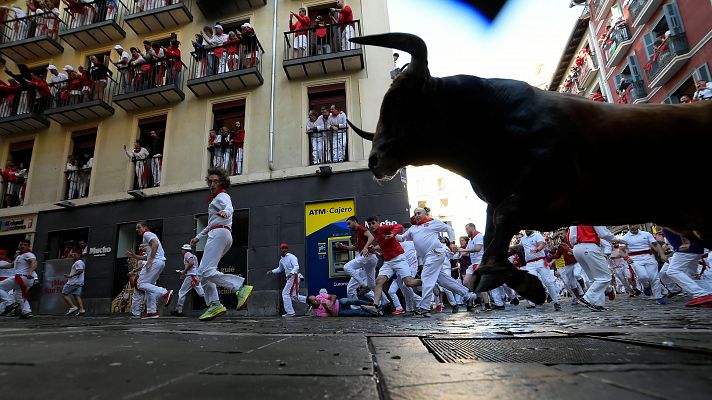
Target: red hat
x=3 y=253
x=283 y=245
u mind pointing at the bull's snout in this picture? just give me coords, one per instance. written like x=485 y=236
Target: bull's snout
x=372 y=161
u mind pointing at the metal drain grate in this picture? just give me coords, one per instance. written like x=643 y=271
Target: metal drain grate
x=559 y=350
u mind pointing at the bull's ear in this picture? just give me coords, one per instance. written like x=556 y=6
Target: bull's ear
x=366 y=135
x=407 y=42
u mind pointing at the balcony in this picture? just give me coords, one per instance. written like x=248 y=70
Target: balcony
x=220 y=8
x=588 y=72
x=230 y=156
x=617 y=44
x=323 y=51
x=30 y=38
x=90 y=102
x=154 y=84
x=21 y=110
x=634 y=92
x=641 y=10
x=328 y=147
x=669 y=58
x=147 y=172
x=599 y=8
x=92 y=24
x=147 y=16
x=232 y=68
x=77 y=183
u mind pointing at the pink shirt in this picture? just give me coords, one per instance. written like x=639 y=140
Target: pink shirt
x=321 y=311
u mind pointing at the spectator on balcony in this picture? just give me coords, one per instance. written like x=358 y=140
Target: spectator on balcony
x=174 y=66
x=200 y=56
x=75 y=84
x=111 y=7
x=210 y=41
x=301 y=32
x=85 y=173
x=249 y=42
x=220 y=53
x=85 y=83
x=22 y=104
x=155 y=150
x=42 y=93
x=704 y=90
x=238 y=142
x=139 y=155
x=9 y=97
x=72 y=178
x=138 y=71
x=20 y=25
x=14 y=184
x=232 y=45
x=213 y=146
x=57 y=79
x=322 y=40
x=122 y=66
x=227 y=148
x=684 y=99
x=99 y=77
x=337 y=125
x=315 y=130
x=346 y=15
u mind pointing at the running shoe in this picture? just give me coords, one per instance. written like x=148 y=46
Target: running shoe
x=455 y=309
x=398 y=311
x=661 y=301
x=10 y=310
x=72 y=310
x=647 y=291
x=288 y=315
x=421 y=313
x=611 y=294
x=242 y=295
x=438 y=308
x=371 y=309
x=150 y=315
x=81 y=312
x=215 y=310
x=177 y=313
x=514 y=302
x=26 y=315
x=699 y=301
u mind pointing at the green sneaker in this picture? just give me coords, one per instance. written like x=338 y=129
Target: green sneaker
x=215 y=310
x=242 y=295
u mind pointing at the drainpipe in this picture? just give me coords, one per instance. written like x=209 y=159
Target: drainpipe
x=272 y=89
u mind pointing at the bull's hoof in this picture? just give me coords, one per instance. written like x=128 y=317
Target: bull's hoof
x=486 y=282
x=527 y=286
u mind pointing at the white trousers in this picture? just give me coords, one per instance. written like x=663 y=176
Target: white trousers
x=219 y=243
x=433 y=274
x=682 y=267
x=347 y=34
x=368 y=265
x=8 y=285
x=497 y=296
x=137 y=299
x=290 y=293
x=189 y=282
x=318 y=140
x=595 y=264
x=646 y=270
x=146 y=283
x=568 y=275
x=624 y=277
x=546 y=276
x=354 y=284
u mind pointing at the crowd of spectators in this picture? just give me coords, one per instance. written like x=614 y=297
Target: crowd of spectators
x=226 y=148
x=217 y=52
x=327 y=33
x=155 y=65
x=14 y=182
x=40 y=18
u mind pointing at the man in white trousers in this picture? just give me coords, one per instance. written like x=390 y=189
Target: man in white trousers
x=425 y=234
x=587 y=250
x=411 y=298
x=289 y=264
x=365 y=259
x=534 y=243
x=219 y=234
x=683 y=265
x=151 y=271
x=25 y=264
x=190 y=280
x=641 y=247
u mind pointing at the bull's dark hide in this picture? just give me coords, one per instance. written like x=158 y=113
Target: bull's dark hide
x=542 y=160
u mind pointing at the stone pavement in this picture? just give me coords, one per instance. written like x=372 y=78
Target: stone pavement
x=637 y=350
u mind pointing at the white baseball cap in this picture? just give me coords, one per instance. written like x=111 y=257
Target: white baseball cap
x=187 y=247
x=51 y=67
x=218 y=26
x=246 y=25
x=118 y=47
x=68 y=68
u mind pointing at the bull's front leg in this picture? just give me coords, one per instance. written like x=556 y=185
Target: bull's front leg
x=496 y=269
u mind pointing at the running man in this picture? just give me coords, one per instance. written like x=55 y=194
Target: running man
x=25 y=264
x=190 y=282
x=155 y=262
x=289 y=264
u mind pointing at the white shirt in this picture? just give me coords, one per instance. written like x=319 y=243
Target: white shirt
x=426 y=236
x=289 y=264
x=339 y=120
x=410 y=254
x=6 y=273
x=147 y=238
x=530 y=243
x=76 y=279
x=603 y=233
x=476 y=257
x=639 y=242
x=141 y=155
x=221 y=202
x=23 y=263
x=57 y=78
x=322 y=123
x=186 y=260
x=318 y=124
x=704 y=94
x=90 y=163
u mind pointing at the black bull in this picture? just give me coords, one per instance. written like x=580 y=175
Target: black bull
x=542 y=160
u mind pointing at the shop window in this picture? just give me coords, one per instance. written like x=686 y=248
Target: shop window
x=60 y=244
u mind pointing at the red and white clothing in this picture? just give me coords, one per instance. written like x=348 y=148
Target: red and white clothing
x=290 y=266
x=587 y=250
x=622 y=271
x=20 y=283
x=150 y=273
x=475 y=256
x=190 y=281
x=347 y=30
x=536 y=263
x=302 y=25
x=367 y=264
x=394 y=260
x=338 y=137
x=644 y=262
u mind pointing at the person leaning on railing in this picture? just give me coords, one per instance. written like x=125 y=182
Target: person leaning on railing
x=174 y=65
x=99 y=75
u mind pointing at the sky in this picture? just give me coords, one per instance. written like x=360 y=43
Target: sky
x=524 y=42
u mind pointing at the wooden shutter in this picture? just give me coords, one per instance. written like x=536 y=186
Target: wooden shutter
x=672 y=15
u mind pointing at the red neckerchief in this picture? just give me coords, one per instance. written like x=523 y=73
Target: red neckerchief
x=475 y=233
x=422 y=221
x=5 y=259
x=212 y=196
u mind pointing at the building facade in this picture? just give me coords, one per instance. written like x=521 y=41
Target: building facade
x=75 y=175
x=649 y=51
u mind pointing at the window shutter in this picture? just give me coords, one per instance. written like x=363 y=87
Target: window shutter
x=672 y=15
x=702 y=73
x=648 y=42
x=634 y=68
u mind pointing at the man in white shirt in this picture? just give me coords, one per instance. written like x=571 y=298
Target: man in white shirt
x=57 y=80
x=190 y=280
x=315 y=128
x=122 y=65
x=155 y=262
x=704 y=91
x=337 y=124
x=588 y=251
x=74 y=285
x=641 y=247
x=289 y=264
x=25 y=264
x=534 y=243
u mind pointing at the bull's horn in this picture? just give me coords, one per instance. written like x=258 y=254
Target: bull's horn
x=363 y=134
x=405 y=42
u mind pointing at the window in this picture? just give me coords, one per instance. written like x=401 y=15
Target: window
x=444 y=202
x=330 y=144
x=79 y=164
x=148 y=157
x=702 y=73
x=14 y=174
x=422 y=203
x=60 y=244
x=226 y=146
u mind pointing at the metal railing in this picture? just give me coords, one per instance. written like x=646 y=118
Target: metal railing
x=77 y=183
x=231 y=56
x=318 y=40
x=635 y=7
x=674 y=46
x=589 y=64
x=46 y=24
x=23 y=99
x=77 y=14
x=148 y=172
x=229 y=157
x=148 y=75
x=12 y=188
x=137 y=6
x=329 y=146
x=619 y=33
x=80 y=90
x=636 y=90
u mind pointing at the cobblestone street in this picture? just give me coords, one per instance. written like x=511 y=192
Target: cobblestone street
x=637 y=349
